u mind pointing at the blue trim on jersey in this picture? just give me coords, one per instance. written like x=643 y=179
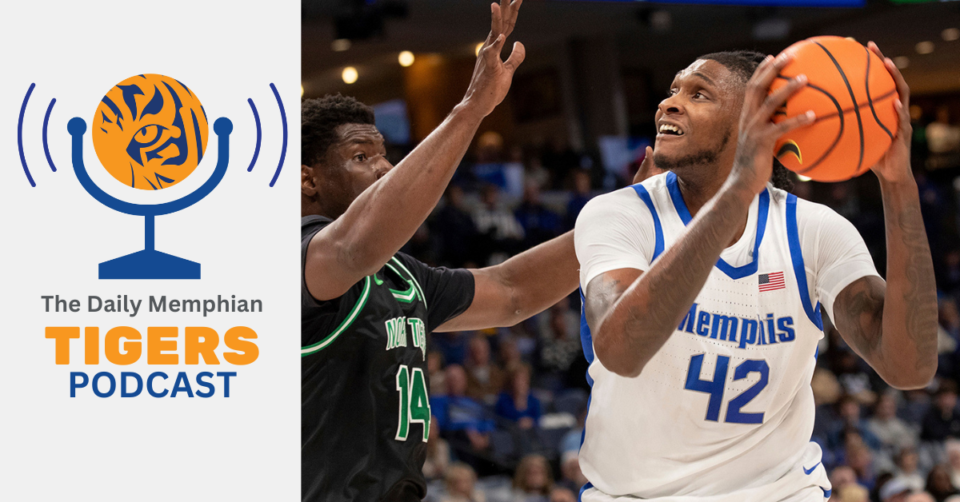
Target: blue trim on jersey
x=762 y=210
x=827 y=493
x=793 y=238
x=645 y=197
x=586 y=339
x=583 y=489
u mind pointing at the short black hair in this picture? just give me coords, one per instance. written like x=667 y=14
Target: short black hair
x=743 y=64
x=740 y=63
x=320 y=118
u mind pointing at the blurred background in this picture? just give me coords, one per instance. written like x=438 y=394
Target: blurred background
x=510 y=403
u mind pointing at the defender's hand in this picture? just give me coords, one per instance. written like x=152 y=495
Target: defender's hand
x=895 y=164
x=758 y=134
x=491 y=75
x=647 y=167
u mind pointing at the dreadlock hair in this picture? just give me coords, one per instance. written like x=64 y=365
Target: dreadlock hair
x=320 y=118
x=743 y=64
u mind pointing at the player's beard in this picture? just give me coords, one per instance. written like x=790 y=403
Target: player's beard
x=705 y=156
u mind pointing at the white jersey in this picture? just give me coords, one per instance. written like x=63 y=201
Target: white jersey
x=724 y=410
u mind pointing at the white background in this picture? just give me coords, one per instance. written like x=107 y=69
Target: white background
x=53 y=237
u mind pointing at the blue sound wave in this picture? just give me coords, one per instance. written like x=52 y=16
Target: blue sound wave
x=256 y=150
x=23 y=158
x=283 y=120
x=46 y=147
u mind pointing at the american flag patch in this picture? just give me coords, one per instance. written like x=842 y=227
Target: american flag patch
x=771 y=282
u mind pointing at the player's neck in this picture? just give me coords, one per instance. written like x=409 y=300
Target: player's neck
x=309 y=206
x=312 y=207
x=699 y=184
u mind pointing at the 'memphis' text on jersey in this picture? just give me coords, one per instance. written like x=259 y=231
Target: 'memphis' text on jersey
x=752 y=331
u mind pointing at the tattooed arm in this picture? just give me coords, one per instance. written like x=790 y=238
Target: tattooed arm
x=893 y=325
x=632 y=313
x=897 y=337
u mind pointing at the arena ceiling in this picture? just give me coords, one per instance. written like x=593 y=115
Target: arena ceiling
x=647 y=34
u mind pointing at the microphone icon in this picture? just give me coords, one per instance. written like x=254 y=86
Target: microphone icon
x=156 y=141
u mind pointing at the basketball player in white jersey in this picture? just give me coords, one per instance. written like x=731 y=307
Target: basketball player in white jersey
x=704 y=287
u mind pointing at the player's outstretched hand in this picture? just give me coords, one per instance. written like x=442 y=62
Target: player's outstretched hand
x=758 y=132
x=647 y=168
x=491 y=75
x=895 y=164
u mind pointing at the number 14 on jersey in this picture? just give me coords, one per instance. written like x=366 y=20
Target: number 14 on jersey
x=414 y=402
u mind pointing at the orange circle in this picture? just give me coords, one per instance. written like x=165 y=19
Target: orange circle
x=150 y=132
x=852 y=94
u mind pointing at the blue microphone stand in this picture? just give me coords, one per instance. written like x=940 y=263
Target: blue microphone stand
x=150 y=263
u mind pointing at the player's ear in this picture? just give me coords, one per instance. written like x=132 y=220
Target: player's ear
x=307 y=185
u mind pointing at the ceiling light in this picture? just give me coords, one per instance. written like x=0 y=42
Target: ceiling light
x=661 y=21
x=406 y=58
x=803 y=178
x=301 y=90
x=349 y=75
x=772 y=29
x=925 y=47
x=951 y=34
x=476 y=50
x=901 y=61
x=340 y=45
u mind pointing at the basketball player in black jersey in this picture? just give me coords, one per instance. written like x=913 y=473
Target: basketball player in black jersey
x=367 y=309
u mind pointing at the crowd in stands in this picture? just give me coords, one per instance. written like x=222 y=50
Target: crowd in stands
x=508 y=405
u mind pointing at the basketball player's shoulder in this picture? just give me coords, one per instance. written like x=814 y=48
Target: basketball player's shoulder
x=609 y=205
x=813 y=213
x=656 y=183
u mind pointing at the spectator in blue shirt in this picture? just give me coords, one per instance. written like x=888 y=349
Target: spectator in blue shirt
x=540 y=224
x=460 y=416
x=515 y=403
x=848 y=420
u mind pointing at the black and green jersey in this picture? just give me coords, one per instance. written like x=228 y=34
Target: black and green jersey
x=365 y=411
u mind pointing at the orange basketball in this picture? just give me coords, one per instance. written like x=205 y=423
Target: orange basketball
x=852 y=94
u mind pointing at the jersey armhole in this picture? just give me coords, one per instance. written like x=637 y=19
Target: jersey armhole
x=347 y=321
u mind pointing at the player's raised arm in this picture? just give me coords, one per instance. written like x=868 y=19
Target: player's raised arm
x=632 y=314
x=897 y=337
x=385 y=215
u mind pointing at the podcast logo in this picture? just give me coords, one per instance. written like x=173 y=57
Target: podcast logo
x=150 y=132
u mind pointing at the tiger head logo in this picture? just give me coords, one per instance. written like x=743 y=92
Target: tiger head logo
x=150 y=132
